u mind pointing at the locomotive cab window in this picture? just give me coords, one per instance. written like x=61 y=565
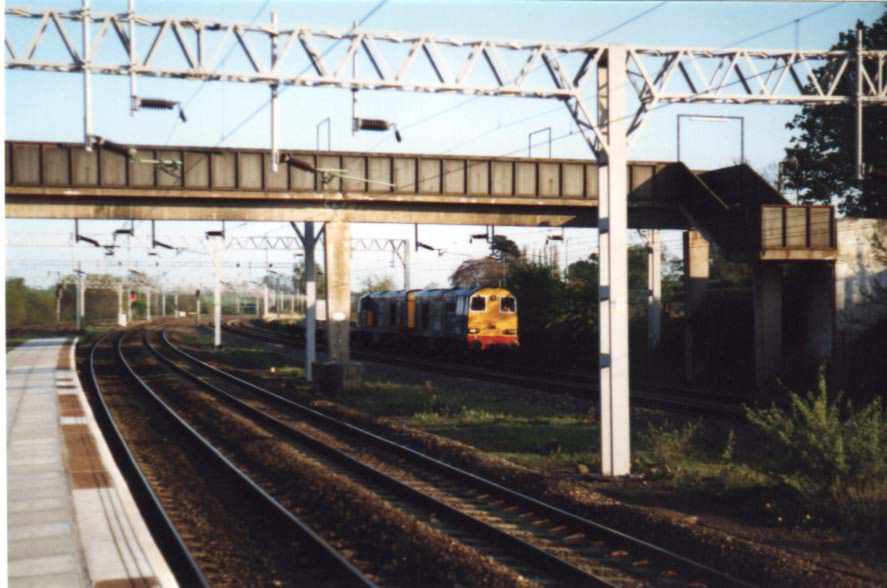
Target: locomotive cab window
x=478 y=303
x=508 y=304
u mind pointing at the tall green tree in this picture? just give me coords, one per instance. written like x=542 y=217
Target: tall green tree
x=820 y=159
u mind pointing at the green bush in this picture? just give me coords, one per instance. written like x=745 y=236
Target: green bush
x=668 y=447
x=829 y=453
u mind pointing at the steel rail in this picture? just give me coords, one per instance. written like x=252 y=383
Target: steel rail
x=324 y=549
x=592 y=528
x=174 y=550
x=659 y=398
x=540 y=558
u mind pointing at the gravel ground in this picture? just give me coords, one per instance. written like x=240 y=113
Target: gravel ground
x=798 y=557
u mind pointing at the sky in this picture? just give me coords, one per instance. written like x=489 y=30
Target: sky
x=48 y=106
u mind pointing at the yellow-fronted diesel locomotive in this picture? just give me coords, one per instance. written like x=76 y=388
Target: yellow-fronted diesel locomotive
x=456 y=318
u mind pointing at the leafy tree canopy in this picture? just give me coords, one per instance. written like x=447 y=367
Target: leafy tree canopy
x=377 y=284
x=483 y=271
x=820 y=159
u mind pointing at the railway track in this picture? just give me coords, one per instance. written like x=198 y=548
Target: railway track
x=544 y=544
x=579 y=385
x=224 y=526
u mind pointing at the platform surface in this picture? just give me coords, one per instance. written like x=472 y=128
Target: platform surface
x=72 y=520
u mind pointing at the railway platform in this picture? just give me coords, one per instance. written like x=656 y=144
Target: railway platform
x=71 y=518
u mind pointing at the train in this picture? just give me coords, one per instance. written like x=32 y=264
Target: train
x=461 y=319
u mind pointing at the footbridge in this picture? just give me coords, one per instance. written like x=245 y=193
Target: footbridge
x=732 y=207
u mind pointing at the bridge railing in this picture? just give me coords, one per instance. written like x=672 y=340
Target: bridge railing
x=794 y=232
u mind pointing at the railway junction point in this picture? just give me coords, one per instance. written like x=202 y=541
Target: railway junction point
x=71 y=518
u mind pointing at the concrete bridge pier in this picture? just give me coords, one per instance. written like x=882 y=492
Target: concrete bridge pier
x=767 y=286
x=338 y=374
x=696 y=273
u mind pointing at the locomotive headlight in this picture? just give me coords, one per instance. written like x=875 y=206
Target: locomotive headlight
x=473 y=331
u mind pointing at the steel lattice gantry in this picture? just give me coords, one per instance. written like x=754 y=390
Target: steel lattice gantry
x=426 y=63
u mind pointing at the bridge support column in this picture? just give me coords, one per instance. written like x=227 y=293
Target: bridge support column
x=696 y=272
x=175 y=304
x=266 y=311
x=338 y=374
x=767 y=285
x=654 y=291
x=258 y=307
x=162 y=302
x=129 y=306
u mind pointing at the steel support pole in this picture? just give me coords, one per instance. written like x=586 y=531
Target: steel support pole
x=87 y=83
x=654 y=290
x=265 y=310
x=860 y=161
x=217 y=313
x=147 y=304
x=310 y=300
x=275 y=110
x=120 y=319
x=78 y=304
x=406 y=265
x=613 y=298
x=132 y=58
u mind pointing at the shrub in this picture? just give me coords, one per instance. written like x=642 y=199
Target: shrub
x=829 y=453
x=668 y=447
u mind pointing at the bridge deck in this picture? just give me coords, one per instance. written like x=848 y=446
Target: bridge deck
x=241 y=184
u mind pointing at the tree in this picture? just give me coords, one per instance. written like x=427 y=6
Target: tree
x=820 y=161
x=377 y=284
x=504 y=249
x=483 y=271
x=299 y=278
